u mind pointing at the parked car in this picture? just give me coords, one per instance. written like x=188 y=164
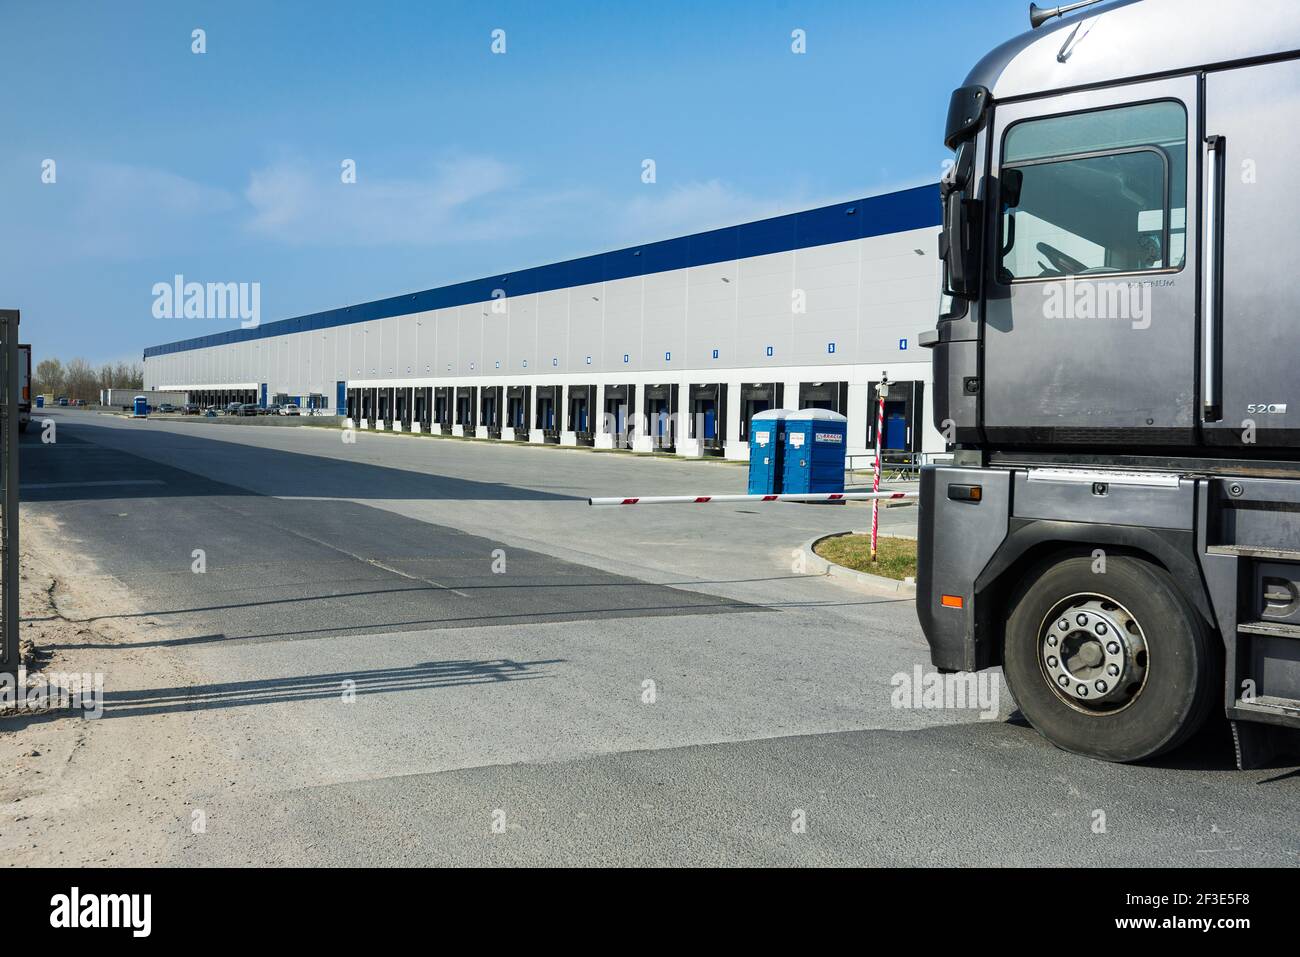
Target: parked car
x=269 y=410
x=233 y=408
x=63 y=400
x=248 y=408
x=191 y=408
x=166 y=407
x=289 y=408
x=210 y=414
x=80 y=403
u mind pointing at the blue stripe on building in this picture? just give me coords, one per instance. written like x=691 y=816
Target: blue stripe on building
x=860 y=219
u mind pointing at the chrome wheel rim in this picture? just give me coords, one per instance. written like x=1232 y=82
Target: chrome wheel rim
x=1093 y=653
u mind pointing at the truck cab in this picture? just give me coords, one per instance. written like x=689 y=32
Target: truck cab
x=1119 y=527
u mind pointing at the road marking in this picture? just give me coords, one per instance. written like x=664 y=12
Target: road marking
x=32 y=485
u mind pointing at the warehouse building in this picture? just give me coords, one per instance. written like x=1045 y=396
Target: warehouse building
x=672 y=346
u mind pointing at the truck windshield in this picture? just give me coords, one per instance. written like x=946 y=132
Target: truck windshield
x=1095 y=193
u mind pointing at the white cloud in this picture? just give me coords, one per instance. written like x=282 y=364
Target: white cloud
x=458 y=200
x=662 y=212
x=120 y=210
x=476 y=198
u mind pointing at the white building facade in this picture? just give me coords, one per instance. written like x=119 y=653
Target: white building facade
x=670 y=346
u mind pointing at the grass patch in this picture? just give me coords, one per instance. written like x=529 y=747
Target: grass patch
x=895 y=557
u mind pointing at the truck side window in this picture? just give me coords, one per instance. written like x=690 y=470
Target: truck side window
x=1099 y=192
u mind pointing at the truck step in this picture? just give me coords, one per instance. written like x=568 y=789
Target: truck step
x=1282 y=710
x=1274 y=629
x=1250 y=551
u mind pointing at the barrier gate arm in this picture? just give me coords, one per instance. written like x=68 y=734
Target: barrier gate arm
x=722 y=499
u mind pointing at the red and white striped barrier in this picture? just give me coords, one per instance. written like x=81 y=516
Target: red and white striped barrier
x=723 y=499
x=875 y=481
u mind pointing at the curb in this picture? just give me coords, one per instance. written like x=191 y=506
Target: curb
x=876 y=584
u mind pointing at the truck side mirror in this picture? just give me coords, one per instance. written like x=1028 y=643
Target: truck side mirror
x=960 y=245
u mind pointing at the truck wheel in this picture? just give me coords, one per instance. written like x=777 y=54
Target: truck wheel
x=1112 y=665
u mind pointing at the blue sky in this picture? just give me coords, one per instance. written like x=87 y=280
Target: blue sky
x=225 y=166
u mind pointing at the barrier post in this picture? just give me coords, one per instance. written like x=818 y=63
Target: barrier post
x=881 y=391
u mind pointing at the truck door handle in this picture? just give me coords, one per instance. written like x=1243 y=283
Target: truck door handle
x=1212 y=304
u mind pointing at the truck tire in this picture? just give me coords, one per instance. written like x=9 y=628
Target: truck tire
x=1111 y=664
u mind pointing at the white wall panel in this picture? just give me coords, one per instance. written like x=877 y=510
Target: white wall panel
x=553 y=330
x=865 y=296
x=521 y=356
x=624 y=330
x=469 y=320
x=588 y=306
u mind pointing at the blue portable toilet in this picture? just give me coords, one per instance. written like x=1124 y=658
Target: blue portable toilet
x=141 y=407
x=766 y=444
x=40 y=401
x=815 y=441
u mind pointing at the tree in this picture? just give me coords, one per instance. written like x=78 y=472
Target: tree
x=80 y=381
x=128 y=376
x=49 y=377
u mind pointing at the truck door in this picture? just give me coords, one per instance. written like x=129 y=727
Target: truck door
x=1251 y=395
x=1090 y=331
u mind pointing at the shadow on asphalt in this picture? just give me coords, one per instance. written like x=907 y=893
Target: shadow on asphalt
x=720 y=606
x=428 y=676
x=49 y=473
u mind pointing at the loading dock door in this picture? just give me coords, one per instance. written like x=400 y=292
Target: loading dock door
x=442 y=408
x=904 y=408
x=895 y=426
x=708 y=415
x=660 y=404
x=465 y=411
x=517 y=400
x=421 y=406
x=548 y=412
x=490 y=408
x=619 y=401
x=755 y=398
x=833 y=396
x=581 y=400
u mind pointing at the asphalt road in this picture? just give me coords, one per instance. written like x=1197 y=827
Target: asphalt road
x=537 y=681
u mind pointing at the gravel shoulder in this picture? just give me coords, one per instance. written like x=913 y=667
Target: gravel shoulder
x=75 y=789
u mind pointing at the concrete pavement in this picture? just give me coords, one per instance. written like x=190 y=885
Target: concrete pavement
x=637 y=685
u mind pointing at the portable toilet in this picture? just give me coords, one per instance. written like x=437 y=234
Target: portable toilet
x=141 y=407
x=766 y=439
x=815 y=441
x=40 y=401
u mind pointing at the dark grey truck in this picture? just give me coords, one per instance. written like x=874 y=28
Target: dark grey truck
x=1117 y=372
